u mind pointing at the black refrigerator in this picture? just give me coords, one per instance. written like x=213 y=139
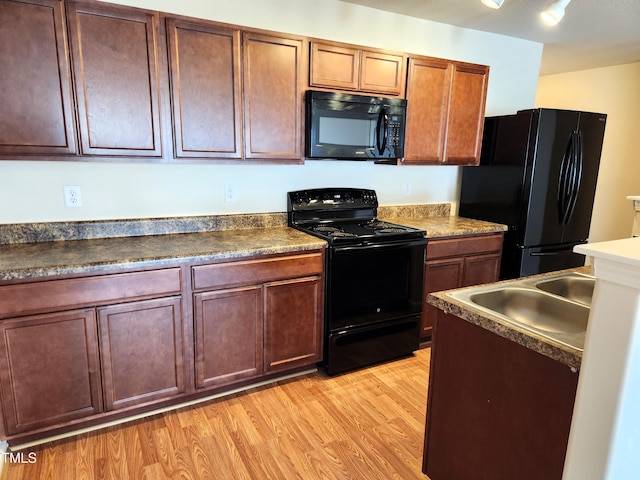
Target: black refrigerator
x=537 y=174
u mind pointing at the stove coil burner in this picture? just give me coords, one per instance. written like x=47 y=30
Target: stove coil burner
x=333 y=231
x=384 y=227
x=326 y=229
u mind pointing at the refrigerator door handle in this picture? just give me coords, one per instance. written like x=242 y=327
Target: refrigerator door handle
x=564 y=186
x=576 y=177
x=549 y=253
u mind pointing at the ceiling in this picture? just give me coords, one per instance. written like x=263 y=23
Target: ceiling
x=592 y=34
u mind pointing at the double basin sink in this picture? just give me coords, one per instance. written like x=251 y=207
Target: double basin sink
x=556 y=307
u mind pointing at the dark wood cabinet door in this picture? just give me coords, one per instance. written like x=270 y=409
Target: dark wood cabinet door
x=480 y=269
x=439 y=275
x=466 y=114
x=228 y=335
x=334 y=66
x=142 y=351
x=382 y=73
x=428 y=85
x=204 y=63
x=116 y=80
x=293 y=323
x=458 y=262
x=49 y=369
x=35 y=90
x=496 y=410
x=272 y=71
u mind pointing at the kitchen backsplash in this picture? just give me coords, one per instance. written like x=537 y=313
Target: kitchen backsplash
x=83 y=230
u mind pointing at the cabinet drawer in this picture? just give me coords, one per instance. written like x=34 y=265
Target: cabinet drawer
x=471 y=245
x=75 y=292
x=253 y=272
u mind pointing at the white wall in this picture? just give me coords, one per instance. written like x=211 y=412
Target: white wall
x=616 y=92
x=33 y=191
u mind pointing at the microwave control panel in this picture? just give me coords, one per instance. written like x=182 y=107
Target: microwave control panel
x=395 y=129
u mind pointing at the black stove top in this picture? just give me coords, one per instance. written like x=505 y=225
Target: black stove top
x=344 y=215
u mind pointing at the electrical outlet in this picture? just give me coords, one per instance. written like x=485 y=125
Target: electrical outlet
x=406 y=189
x=72 y=196
x=229 y=193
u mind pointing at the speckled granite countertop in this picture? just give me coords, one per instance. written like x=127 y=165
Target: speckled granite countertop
x=45 y=259
x=555 y=350
x=37 y=250
x=439 y=227
x=436 y=220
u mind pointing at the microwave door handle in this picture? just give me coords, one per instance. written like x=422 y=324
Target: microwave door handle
x=381 y=143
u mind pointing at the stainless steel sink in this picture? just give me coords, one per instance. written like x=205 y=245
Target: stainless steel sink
x=535 y=309
x=556 y=308
x=578 y=288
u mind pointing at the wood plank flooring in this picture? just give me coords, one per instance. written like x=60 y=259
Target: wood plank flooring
x=367 y=424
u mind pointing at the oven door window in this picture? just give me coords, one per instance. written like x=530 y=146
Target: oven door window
x=374 y=283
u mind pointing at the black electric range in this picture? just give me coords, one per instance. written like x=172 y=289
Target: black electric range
x=374 y=276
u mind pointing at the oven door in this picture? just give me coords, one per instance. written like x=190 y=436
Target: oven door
x=371 y=284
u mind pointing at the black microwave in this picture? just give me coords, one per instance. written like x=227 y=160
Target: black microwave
x=354 y=127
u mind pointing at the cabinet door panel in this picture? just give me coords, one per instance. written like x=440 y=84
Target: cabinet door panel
x=228 y=335
x=382 y=73
x=480 y=269
x=35 y=89
x=141 y=351
x=334 y=66
x=439 y=275
x=466 y=114
x=116 y=80
x=205 y=90
x=293 y=323
x=49 y=369
x=428 y=98
x=272 y=97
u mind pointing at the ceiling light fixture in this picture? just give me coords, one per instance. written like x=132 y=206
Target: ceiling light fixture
x=554 y=12
x=493 y=3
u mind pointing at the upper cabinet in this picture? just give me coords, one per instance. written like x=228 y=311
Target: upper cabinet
x=35 y=89
x=115 y=70
x=445 y=111
x=273 y=97
x=204 y=63
x=96 y=80
x=234 y=100
x=337 y=66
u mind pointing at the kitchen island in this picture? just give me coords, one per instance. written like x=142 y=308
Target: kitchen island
x=500 y=396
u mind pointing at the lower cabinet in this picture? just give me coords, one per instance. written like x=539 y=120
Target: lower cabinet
x=228 y=335
x=80 y=351
x=106 y=343
x=293 y=323
x=141 y=352
x=272 y=324
x=49 y=369
x=458 y=262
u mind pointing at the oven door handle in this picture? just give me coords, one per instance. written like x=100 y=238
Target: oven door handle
x=380 y=245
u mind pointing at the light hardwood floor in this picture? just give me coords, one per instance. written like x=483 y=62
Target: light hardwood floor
x=367 y=424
